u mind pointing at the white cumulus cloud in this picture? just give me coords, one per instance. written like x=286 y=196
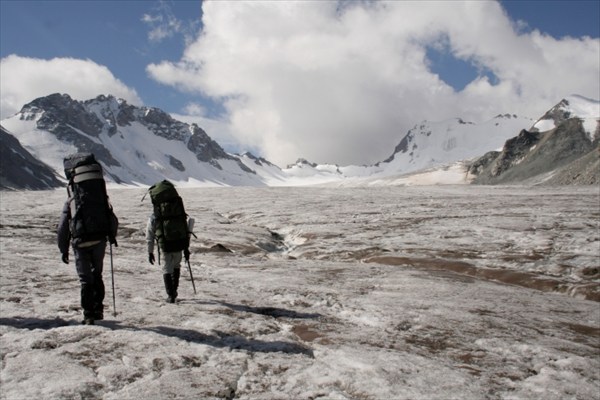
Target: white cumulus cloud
x=23 y=79
x=343 y=81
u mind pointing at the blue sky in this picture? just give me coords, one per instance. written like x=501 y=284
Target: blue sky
x=109 y=32
x=142 y=45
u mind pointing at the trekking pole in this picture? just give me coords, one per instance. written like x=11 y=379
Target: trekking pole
x=112 y=275
x=190 y=224
x=191 y=275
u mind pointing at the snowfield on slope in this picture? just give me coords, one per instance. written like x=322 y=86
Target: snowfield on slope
x=421 y=292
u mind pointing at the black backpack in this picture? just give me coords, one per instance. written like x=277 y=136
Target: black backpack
x=171 y=220
x=91 y=214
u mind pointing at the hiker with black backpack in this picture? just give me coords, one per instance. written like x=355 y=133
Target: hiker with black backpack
x=86 y=223
x=168 y=226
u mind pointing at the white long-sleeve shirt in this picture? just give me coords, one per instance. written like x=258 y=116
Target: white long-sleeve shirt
x=150 y=233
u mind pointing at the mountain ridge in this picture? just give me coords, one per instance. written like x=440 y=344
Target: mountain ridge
x=136 y=145
x=141 y=145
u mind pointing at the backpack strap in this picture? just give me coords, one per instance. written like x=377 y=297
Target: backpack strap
x=146 y=194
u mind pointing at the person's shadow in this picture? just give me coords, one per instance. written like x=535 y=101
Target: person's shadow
x=35 y=323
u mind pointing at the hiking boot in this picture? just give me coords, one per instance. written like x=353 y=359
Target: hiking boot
x=176 y=274
x=98 y=313
x=88 y=321
x=168 y=279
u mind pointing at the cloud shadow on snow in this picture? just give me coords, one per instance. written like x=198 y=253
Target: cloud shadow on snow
x=223 y=339
x=270 y=311
x=219 y=339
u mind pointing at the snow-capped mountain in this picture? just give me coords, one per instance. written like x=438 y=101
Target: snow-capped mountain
x=136 y=145
x=457 y=152
x=434 y=143
x=562 y=147
x=427 y=145
x=141 y=145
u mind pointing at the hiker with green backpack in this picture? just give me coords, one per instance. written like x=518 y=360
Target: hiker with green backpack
x=168 y=227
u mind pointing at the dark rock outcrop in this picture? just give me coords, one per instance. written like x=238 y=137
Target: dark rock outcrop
x=21 y=170
x=563 y=155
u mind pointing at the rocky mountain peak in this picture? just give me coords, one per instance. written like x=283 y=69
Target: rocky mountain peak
x=260 y=161
x=559 y=112
x=303 y=162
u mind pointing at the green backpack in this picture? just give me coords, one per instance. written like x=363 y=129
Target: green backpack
x=171 y=220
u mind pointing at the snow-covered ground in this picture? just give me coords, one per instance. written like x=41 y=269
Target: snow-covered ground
x=418 y=292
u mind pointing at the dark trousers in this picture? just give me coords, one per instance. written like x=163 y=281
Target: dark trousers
x=88 y=261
